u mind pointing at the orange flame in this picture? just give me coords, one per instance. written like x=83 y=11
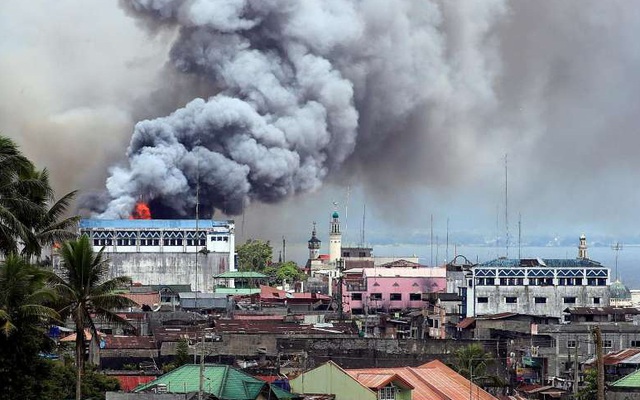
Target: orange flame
x=141 y=211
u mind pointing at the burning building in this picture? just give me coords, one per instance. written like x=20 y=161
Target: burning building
x=158 y=251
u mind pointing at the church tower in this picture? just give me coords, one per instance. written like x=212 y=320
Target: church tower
x=335 y=238
x=582 y=248
x=314 y=245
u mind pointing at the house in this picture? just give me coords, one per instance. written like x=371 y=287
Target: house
x=390 y=288
x=330 y=379
x=222 y=382
x=625 y=388
x=432 y=381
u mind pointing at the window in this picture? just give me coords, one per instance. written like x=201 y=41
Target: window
x=578 y=281
x=490 y=281
x=376 y=296
x=569 y=300
x=511 y=300
x=571 y=343
x=387 y=393
x=596 y=300
x=483 y=299
x=607 y=344
x=602 y=282
x=540 y=300
x=362 y=254
x=503 y=281
x=356 y=296
x=591 y=281
x=480 y=282
x=415 y=296
x=395 y=296
x=635 y=343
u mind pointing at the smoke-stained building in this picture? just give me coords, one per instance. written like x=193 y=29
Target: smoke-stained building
x=537 y=286
x=156 y=251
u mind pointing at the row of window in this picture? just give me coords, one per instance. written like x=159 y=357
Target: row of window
x=537 y=300
x=153 y=242
x=540 y=281
x=392 y=296
x=606 y=343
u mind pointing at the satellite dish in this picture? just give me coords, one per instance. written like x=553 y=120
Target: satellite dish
x=155 y=307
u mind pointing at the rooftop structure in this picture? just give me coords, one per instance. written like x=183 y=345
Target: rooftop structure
x=165 y=252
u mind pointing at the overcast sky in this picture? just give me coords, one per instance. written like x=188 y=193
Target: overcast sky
x=554 y=84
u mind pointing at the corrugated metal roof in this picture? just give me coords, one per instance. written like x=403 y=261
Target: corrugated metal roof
x=465 y=323
x=143 y=298
x=130 y=382
x=433 y=380
x=222 y=381
x=129 y=342
x=376 y=381
x=540 y=262
x=240 y=274
x=630 y=381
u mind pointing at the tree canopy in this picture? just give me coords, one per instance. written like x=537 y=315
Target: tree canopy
x=254 y=255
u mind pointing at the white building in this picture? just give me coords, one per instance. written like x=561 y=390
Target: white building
x=155 y=251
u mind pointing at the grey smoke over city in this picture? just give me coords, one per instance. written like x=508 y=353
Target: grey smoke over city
x=415 y=103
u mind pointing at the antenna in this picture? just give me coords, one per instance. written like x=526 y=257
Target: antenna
x=431 y=241
x=617 y=247
x=447 y=246
x=519 y=235
x=197 y=222
x=506 y=204
x=364 y=214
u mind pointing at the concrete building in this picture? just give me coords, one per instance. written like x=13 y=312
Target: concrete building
x=390 y=288
x=161 y=252
x=537 y=286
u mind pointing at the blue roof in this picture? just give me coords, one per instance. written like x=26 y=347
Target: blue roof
x=150 y=223
x=537 y=262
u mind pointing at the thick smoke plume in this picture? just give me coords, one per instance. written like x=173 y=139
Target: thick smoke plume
x=299 y=85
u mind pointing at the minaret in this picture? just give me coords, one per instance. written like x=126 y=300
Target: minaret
x=335 y=238
x=582 y=248
x=314 y=245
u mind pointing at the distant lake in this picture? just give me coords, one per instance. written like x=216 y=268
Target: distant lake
x=628 y=257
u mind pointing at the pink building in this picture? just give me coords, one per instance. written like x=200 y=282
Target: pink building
x=389 y=288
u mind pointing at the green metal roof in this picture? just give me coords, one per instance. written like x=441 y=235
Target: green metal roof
x=222 y=381
x=630 y=381
x=240 y=275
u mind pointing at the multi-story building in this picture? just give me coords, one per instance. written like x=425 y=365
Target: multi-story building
x=390 y=288
x=537 y=286
x=162 y=252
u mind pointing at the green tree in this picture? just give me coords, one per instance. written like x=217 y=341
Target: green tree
x=590 y=389
x=182 y=353
x=24 y=316
x=254 y=255
x=471 y=361
x=49 y=226
x=86 y=292
x=58 y=382
x=15 y=170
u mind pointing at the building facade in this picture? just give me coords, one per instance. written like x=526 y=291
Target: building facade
x=163 y=252
x=536 y=286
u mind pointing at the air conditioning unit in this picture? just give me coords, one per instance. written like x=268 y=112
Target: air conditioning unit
x=161 y=388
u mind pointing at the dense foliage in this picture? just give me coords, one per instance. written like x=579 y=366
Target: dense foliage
x=33 y=298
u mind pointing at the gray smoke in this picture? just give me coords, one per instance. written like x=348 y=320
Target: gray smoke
x=300 y=85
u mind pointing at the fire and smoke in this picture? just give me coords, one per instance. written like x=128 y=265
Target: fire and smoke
x=300 y=84
x=141 y=211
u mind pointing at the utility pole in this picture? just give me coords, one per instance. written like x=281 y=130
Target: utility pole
x=597 y=338
x=340 y=267
x=201 y=389
x=576 y=368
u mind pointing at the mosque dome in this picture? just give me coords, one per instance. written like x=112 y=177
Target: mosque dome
x=618 y=291
x=335 y=215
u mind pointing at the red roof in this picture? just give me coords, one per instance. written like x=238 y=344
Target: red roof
x=268 y=293
x=130 y=382
x=465 y=323
x=129 y=342
x=433 y=380
x=144 y=298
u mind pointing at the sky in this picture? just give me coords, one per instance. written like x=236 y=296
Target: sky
x=407 y=108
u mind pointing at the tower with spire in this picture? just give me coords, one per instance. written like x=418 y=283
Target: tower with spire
x=335 y=237
x=582 y=248
x=314 y=245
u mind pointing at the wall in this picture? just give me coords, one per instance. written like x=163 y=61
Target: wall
x=169 y=268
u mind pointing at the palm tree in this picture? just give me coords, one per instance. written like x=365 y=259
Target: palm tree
x=23 y=296
x=13 y=203
x=24 y=317
x=49 y=226
x=85 y=293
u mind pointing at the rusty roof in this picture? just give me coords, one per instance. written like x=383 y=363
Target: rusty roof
x=602 y=310
x=149 y=298
x=432 y=380
x=374 y=380
x=465 y=323
x=129 y=342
